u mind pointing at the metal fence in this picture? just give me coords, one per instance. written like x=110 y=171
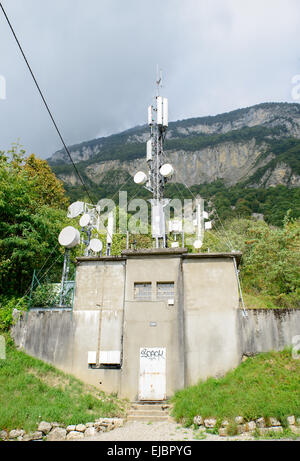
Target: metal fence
x=48 y=293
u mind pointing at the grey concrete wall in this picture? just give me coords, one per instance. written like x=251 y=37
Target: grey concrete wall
x=267 y=329
x=63 y=339
x=47 y=335
x=99 y=309
x=211 y=301
x=99 y=284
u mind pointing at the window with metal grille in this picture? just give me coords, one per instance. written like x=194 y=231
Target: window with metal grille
x=143 y=291
x=165 y=290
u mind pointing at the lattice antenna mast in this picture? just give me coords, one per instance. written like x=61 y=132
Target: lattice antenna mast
x=158 y=122
x=158 y=171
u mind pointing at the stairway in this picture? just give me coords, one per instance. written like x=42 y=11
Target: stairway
x=145 y=411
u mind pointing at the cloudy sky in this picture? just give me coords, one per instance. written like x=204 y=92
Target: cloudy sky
x=96 y=62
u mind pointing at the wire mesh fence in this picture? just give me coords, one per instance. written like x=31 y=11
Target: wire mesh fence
x=49 y=290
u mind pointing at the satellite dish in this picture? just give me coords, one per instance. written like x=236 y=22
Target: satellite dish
x=95 y=245
x=166 y=170
x=85 y=220
x=75 y=209
x=197 y=244
x=69 y=237
x=140 y=178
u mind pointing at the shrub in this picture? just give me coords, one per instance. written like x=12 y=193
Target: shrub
x=7 y=305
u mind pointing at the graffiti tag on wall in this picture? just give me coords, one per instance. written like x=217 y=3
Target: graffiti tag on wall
x=152 y=353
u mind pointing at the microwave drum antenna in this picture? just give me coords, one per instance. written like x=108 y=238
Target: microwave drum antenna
x=197 y=244
x=69 y=237
x=85 y=220
x=140 y=178
x=95 y=245
x=75 y=209
x=166 y=170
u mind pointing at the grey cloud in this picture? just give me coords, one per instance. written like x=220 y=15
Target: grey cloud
x=96 y=62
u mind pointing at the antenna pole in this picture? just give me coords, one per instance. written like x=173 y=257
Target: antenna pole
x=158 y=128
x=64 y=275
x=158 y=171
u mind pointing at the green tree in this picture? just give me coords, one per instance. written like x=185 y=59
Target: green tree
x=30 y=219
x=49 y=188
x=271 y=256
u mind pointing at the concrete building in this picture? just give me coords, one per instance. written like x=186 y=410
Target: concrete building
x=153 y=321
x=150 y=322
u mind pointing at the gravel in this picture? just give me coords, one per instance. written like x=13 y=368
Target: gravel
x=158 y=431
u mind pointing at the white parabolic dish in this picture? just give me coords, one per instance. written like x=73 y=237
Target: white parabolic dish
x=166 y=170
x=75 y=209
x=95 y=245
x=85 y=220
x=69 y=237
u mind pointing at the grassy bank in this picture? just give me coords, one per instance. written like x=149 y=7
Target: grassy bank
x=259 y=301
x=32 y=391
x=265 y=385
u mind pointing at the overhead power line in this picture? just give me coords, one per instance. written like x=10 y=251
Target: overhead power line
x=46 y=105
x=50 y=114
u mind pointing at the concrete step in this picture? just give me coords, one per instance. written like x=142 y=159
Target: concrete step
x=150 y=402
x=147 y=418
x=147 y=413
x=148 y=406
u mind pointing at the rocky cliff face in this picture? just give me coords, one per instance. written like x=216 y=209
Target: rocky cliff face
x=230 y=161
x=281 y=174
x=231 y=146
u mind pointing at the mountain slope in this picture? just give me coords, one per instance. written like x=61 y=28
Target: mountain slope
x=258 y=146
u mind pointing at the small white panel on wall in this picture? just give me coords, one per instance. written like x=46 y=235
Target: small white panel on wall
x=92 y=357
x=110 y=357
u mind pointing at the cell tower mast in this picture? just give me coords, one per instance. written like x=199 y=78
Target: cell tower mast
x=159 y=172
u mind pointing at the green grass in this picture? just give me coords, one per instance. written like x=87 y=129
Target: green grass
x=199 y=436
x=259 y=301
x=32 y=391
x=265 y=385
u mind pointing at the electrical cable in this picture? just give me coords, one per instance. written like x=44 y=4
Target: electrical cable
x=48 y=109
x=45 y=102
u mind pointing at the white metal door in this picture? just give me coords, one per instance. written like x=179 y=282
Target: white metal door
x=152 y=382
